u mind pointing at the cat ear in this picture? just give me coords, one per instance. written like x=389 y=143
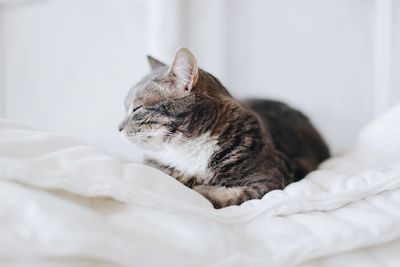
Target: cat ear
x=184 y=69
x=155 y=63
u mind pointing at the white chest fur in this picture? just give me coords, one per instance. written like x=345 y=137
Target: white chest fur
x=191 y=157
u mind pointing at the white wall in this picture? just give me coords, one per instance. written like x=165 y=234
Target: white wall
x=395 y=62
x=2 y=70
x=69 y=63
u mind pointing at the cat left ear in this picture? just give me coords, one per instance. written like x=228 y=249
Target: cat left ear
x=184 y=69
x=155 y=63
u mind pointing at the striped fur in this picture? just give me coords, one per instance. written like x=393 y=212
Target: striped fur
x=192 y=129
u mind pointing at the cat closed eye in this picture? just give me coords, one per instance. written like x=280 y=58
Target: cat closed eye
x=136 y=108
x=159 y=109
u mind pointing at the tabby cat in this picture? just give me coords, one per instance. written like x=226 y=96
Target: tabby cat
x=191 y=128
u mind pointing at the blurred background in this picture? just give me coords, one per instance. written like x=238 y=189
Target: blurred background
x=66 y=65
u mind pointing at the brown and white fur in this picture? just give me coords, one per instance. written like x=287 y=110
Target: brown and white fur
x=191 y=128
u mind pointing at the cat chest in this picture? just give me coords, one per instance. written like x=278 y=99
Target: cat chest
x=190 y=158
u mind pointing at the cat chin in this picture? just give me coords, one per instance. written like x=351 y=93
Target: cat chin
x=145 y=144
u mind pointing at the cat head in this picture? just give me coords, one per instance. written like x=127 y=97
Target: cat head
x=173 y=103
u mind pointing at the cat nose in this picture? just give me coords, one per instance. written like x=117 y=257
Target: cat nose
x=122 y=126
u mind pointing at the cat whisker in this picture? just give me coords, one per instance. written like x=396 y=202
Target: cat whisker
x=177 y=135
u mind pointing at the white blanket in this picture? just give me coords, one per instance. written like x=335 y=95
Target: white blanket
x=67 y=203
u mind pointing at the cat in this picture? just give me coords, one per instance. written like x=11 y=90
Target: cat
x=191 y=128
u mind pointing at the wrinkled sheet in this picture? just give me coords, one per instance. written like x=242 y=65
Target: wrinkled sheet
x=64 y=202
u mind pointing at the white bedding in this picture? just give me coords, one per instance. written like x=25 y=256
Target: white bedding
x=67 y=203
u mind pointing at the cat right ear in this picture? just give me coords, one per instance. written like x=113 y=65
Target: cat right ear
x=184 y=69
x=155 y=63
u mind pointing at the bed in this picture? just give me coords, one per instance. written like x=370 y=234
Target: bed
x=64 y=202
